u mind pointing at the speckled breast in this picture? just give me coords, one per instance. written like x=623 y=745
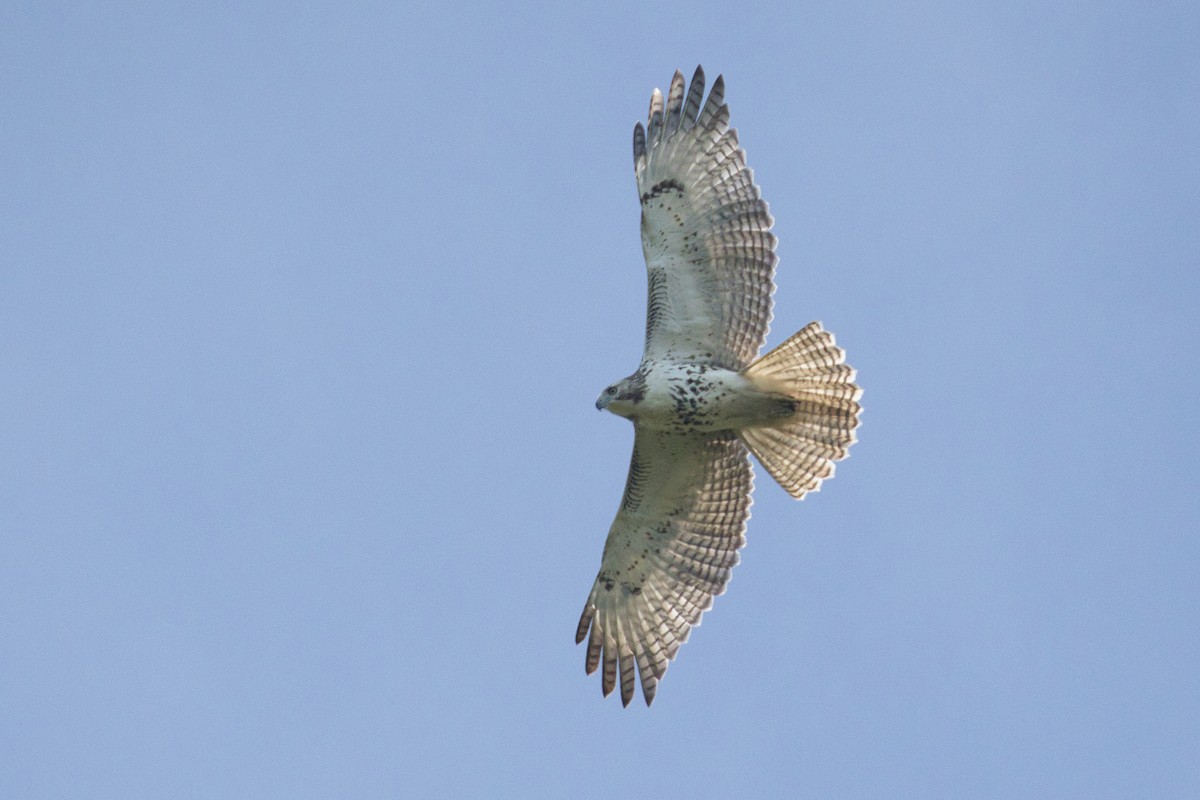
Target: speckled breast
x=702 y=397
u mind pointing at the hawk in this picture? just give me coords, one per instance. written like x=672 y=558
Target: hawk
x=702 y=399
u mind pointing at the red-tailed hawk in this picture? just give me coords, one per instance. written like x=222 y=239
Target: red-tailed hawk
x=701 y=398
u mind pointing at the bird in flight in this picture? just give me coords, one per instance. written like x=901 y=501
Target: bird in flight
x=702 y=399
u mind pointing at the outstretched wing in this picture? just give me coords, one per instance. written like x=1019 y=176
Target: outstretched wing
x=710 y=255
x=669 y=552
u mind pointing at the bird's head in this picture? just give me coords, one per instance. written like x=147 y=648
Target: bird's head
x=623 y=396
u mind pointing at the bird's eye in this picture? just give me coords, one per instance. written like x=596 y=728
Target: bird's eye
x=611 y=390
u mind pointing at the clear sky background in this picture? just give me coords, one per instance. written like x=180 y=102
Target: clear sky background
x=304 y=308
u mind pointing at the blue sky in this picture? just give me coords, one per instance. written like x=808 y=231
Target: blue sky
x=304 y=307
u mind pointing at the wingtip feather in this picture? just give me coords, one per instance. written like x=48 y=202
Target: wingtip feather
x=585 y=621
x=674 y=108
x=691 y=107
x=639 y=147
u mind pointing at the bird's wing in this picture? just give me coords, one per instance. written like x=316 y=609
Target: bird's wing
x=710 y=255
x=669 y=552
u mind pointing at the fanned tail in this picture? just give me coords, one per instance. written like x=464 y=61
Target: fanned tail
x=799 y=451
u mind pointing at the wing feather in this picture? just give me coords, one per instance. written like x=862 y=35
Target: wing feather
x=675 y=102
x=670 y=550
x=691 y=109
x=654 y=118
x=706 y=233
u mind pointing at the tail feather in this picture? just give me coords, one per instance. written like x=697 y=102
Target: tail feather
x=799 y=450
